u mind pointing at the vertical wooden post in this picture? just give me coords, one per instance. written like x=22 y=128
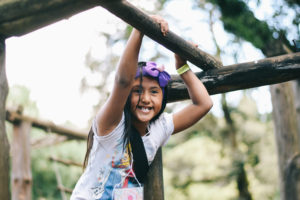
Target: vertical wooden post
x=296 y=88
x=21 y=170
x=154 y=185
x=4 y=145
x=287 y=138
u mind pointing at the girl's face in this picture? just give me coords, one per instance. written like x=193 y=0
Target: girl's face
x=146 y=102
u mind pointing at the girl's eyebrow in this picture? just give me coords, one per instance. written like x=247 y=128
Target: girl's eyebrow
x=136 y=86
x=154 y=87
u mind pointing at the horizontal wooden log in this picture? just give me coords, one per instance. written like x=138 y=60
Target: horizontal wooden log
x=241 y=76
x=48 y=126
x=18 y=17
x=141 y=21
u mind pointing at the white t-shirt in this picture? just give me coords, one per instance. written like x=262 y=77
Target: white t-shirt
x=108 y=164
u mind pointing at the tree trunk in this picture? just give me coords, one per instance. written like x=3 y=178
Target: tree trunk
x=287 y=138
x=21 y=169
x=154 y=186
x=4 y=145
x=296 y=89
x=285 y=101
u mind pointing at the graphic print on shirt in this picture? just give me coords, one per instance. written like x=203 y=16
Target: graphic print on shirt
x=102 y=178
x=112 y=175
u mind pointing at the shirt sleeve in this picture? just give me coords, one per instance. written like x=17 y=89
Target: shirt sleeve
x=168 y=127
x=112 y=136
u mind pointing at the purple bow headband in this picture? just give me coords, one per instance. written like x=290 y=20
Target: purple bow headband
x=156 y=72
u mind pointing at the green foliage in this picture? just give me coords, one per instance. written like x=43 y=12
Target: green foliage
x=201 y=160
x=231 y=8
x=44 y=178
x=237 y=19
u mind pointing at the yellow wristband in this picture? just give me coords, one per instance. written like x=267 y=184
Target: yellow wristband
x=183 y=69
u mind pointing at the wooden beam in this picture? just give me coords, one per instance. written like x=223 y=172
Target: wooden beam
x=241 y=76
x=48 y=126
x=18 y=17
x=141 y=21
x=154 y=186
x=21 y=168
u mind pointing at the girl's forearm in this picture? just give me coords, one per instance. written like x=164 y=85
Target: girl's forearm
x=128 y=62
x=196 y=89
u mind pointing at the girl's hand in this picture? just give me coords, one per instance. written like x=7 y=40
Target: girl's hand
x=179 y=61
x=164 y=27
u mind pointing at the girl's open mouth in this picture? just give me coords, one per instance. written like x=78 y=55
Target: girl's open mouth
x=144 y=109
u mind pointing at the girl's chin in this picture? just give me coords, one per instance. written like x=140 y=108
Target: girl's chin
x=144 y=118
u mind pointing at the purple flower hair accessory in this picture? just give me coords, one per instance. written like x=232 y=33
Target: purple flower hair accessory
x=151 y=69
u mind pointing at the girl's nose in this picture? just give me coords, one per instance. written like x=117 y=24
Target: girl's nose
x=145 y=97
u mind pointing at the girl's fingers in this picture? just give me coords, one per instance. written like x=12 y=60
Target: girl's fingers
x=164 y=27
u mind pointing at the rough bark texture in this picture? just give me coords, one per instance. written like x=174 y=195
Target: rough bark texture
x=154 y=185
x=241 y=76
x=21 y=168
x=4 y=145
x=287 y=139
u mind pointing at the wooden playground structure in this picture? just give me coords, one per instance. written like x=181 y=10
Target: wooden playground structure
x=21 y=17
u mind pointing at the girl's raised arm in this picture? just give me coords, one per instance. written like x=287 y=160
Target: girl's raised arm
x=201 y=101
x=110 y=113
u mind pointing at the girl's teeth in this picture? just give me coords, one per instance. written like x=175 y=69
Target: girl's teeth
x=145 y=109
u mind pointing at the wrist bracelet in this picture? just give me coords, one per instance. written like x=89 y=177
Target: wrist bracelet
x=183 y=69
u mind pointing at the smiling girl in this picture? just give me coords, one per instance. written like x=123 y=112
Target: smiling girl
x=130 y=127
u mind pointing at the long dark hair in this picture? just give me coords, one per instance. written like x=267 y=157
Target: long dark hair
x=128 y=118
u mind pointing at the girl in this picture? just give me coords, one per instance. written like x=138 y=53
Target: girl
x=131 y=126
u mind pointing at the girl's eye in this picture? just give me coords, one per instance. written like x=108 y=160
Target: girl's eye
x=154 y=91
x=138 y=91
